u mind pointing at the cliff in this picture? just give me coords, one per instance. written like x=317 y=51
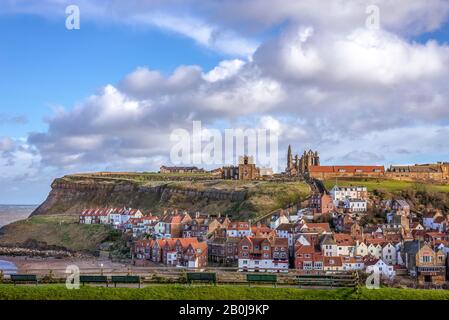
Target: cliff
x=72 y=194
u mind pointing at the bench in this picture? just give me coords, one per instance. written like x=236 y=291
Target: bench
x=125 y=279
x=341 y=280
x=202 y=277
x=94 y=279
x=261 y=278
x=24 y=278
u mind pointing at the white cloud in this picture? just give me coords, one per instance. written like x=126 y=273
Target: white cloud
x=361 y=57
x=325 y=82
x=224 y=70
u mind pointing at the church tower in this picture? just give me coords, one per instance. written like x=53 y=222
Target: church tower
x=289 y=158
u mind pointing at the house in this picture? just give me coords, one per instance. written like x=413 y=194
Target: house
x=223 y=249
x=361 y=249
x=345 y=244
x=434 y=221
x=333 y=264
x=115 y=217
x=195 y=255
x=197 y=227
x=321 y=203
x=352 y=263
x=156 y=250
x=423 y=262
x=355 y=205
x=277 y=220
x=263 y=254
x=319 y=228
x=142 y=249
x=389 y=254
x=341 y=193
x=87 y=216
x=263 y=231
x=375 y=249
x=308 y=259
x=287 y=231
x=373 y=264
x=329 y=246
x=171 y=225
x=401 y=207
x=118 y=217
x=434 y=238
x=430 y=265
x=239 y=229
x=94 y=216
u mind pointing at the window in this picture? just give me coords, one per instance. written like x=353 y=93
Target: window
x=426 y=259
x=245 y=247
x=266 y=248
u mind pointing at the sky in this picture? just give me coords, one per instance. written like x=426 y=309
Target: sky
x=107 y=96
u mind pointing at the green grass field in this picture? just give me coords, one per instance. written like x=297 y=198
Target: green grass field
x=203 y=292
x=385 y=185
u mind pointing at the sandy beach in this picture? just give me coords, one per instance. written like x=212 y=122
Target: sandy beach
x=58 y=266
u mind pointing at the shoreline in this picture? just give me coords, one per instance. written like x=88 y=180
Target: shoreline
x=43 y=265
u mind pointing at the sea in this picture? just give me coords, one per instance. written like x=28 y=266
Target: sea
x=9 y=214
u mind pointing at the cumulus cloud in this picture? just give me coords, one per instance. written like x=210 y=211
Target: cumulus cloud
x=323 y=82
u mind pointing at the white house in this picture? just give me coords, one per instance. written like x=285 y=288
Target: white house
x=375 y=250
x=352 y=192
x=115 y=217
x=377 y=265
x=361 y=249
x=263 y=265
x=329 y=247
x=278 y=220
x=389 y=254
x=356 y=205
x=239 y=229
x=353 y=263
x=437 y=222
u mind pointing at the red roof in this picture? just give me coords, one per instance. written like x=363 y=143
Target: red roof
x=351 y=169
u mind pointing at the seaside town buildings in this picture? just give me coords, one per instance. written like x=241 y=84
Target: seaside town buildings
x=417 y=249
x=325 y=236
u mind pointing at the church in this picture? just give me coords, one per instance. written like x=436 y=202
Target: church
x=300 y=166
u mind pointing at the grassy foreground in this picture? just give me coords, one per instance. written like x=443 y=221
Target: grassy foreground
x=184 y=292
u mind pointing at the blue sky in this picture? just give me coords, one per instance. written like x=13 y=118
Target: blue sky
x=45 y=65
x=107 y=96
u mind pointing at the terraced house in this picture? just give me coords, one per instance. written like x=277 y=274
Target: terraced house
x=263 y=254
